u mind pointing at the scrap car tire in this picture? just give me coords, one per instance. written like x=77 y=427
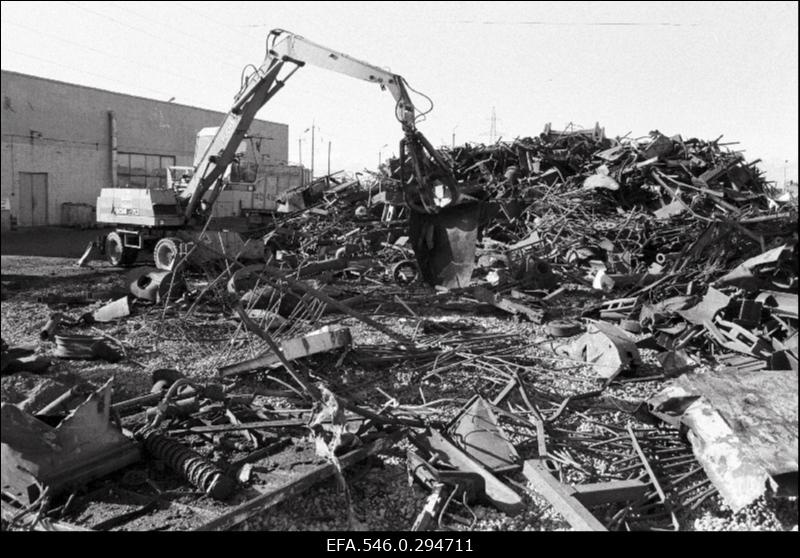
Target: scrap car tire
x=117 y=253
x=166 y=253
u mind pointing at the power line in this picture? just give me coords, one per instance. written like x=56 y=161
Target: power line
x=195 y=12
x=583 y=24
x=74 y=69
x=211 y=17
x=198 y=13
x=171 y=28
x=215 y=20
x=140 y=30
x=104 y=53
x=299 y=93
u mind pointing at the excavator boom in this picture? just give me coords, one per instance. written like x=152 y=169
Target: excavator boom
x=427 y=168
x=287 y=46
x=257 y=89
x=442 y=230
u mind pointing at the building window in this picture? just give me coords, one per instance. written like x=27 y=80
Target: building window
x=135 y=170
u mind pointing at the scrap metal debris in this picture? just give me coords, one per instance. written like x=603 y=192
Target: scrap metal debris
x=644 y=263
x=742 y=425
x=39 y=458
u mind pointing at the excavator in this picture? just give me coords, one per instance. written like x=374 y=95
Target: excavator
x=443 y=219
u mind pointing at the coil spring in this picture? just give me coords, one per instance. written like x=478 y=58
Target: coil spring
x=191 y=465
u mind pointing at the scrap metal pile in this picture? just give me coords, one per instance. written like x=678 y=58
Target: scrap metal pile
x=645 y=364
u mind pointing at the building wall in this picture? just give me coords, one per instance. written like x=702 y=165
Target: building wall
x=63 y=130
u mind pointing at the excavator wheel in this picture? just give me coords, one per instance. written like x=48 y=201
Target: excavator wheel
x=117 y=253
x=166 y=253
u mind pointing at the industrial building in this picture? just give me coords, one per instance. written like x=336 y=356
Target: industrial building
x=63 y=142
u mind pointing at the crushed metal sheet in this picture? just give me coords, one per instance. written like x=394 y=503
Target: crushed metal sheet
x=84 y=446
x=743 y=427
x=608 y=348
x=477 y=432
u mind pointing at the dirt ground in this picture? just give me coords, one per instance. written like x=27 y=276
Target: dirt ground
x=58 y=242
x=382 y=498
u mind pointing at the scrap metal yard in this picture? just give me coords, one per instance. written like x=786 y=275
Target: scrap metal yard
x=574 y=329
x=600 y=378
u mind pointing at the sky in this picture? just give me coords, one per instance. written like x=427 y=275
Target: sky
x=699 y=69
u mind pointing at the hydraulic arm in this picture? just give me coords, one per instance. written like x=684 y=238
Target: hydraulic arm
x=422 y=167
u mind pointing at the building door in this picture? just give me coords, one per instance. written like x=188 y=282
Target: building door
x=32 y=199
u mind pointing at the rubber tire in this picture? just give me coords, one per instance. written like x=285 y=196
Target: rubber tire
x=117 y=253
x=165 y=252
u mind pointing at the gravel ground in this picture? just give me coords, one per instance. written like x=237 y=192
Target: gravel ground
x=382 y=498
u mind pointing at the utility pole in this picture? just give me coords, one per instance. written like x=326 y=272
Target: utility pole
x=312 y=149
x=329 y=158
x=493 y=127
x=380 y=153
x=300 y=151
